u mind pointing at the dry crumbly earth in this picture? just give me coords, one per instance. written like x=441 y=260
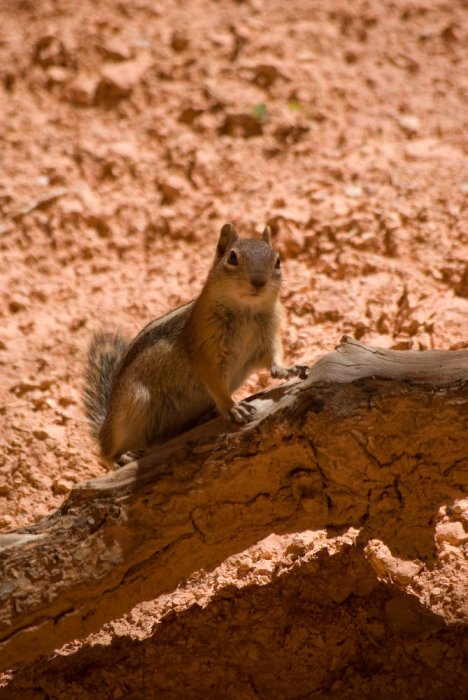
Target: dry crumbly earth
x=130 y=132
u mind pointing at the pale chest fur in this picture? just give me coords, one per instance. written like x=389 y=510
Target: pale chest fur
x=246 y=341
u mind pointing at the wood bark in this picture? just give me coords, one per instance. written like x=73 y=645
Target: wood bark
x=374 y=439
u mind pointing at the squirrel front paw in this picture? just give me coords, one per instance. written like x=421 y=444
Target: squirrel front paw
x=241 y=412
x=128 y=457
x=284 y=372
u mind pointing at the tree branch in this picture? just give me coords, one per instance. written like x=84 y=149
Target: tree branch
x=346 y=447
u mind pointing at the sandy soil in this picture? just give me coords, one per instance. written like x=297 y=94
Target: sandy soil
x=131 y=131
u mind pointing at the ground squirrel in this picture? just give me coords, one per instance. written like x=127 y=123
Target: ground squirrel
x=191 y=359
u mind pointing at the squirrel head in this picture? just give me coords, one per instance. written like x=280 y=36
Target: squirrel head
x=245 y=269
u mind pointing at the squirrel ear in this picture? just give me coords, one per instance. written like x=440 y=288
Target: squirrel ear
x=266 y=235
x=226 y=238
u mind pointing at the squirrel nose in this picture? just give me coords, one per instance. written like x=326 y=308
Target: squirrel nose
x=258 y=282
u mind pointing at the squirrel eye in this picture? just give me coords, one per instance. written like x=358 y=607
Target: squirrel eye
x=277 y=263
x=232 y=259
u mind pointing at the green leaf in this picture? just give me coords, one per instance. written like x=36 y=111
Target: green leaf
x=260 y=112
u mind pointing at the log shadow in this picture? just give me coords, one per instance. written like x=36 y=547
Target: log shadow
x=323 y=627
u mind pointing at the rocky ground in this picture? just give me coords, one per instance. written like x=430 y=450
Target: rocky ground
x=131 y=131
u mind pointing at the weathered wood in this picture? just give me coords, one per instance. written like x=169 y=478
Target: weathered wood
x=374 y=454
x=353 y=360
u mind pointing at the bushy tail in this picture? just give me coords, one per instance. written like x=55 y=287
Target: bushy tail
x=104 y=356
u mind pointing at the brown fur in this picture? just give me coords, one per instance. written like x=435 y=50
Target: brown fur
x=193 y=358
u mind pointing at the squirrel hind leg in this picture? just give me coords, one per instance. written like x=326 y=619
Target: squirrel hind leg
x=127 y=424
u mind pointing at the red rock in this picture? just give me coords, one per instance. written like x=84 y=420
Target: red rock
x=57 y=74
x=243 y=125
x=171 y=188
x=179 y=41
x=389 y=567
x=62 y=486
x=453 y=533
x=50 y=50
x=118 y=80
x=50 y=432
x=115 y=49
x=409 y=123
x=424 y=149
x=82 y=91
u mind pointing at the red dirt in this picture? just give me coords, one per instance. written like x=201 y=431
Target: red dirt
x=131 y=132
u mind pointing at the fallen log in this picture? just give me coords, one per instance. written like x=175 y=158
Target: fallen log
x=373 y=439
